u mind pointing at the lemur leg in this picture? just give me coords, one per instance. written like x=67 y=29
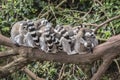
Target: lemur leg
x=18 y=40
x=29 y=40
x=67 y=46
x=78 y=43
x=43 y=45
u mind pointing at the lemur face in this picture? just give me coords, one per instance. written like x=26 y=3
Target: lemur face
x=23 y=28
x=40 y=23
x=89 y=38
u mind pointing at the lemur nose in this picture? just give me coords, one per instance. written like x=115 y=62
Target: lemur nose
x=89 y=44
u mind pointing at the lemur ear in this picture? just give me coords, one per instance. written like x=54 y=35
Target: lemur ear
x=83 y=30
x=93 y=30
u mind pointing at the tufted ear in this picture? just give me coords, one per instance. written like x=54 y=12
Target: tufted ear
x=93 y=30
x=38 y=23
x=83 y=31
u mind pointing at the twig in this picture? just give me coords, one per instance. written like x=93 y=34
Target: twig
x=115 y=60
x=60 y=73
x=107 y=21
x=105 y=15
x=60 y=3
x=55 y=8
x=102 y=39
x=42 y=11
x=53 y=12
x=87 y=13
x=12 y=67
x=31 y=74
x=101 y=25
x=90 y=24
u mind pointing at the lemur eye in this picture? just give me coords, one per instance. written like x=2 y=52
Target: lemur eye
x=24 y=27
x=92 y=35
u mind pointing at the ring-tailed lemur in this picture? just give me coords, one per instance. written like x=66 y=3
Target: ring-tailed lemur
x=40 y=23
x=46 y=39
x=22 y=31
x=18 y=32
x=85 y=40
x=31 y=39
x=66 y=34
x=61 y=31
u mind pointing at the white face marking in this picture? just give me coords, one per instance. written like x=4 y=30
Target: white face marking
x=87 y=34
x=55 y=30
x=92 y=33
x=48 y=38
x=85 y=44
x=44 y=22
x=93 y=45
x=93 y=30
x=48 y=25
x=21 y=24
x=33 y=32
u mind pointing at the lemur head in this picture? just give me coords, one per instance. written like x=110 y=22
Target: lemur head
x=23 y=27
x=58 y=27
x=89 y=38
x=40 y=23
x=30 y=26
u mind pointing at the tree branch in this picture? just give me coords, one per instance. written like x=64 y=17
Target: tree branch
x=107 y=21
x=6 y=41
x=31 y=74
x=99 y=51
x=101 y=25
x=12 y=67
x=112 y=47
x=7 y=53
x=104 y=66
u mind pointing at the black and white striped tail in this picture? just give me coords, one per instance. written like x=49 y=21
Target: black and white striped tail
x=49 y=35
x=33 y=33
x=61 y=32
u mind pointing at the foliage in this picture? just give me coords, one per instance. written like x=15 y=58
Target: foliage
x=72 y=12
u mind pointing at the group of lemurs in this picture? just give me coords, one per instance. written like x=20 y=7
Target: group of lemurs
x=41 y=34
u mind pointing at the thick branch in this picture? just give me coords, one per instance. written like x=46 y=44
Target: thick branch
x=111 y=46
x=104 y=66
x=6 y=41
x=101 y=50
x=8 y=53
